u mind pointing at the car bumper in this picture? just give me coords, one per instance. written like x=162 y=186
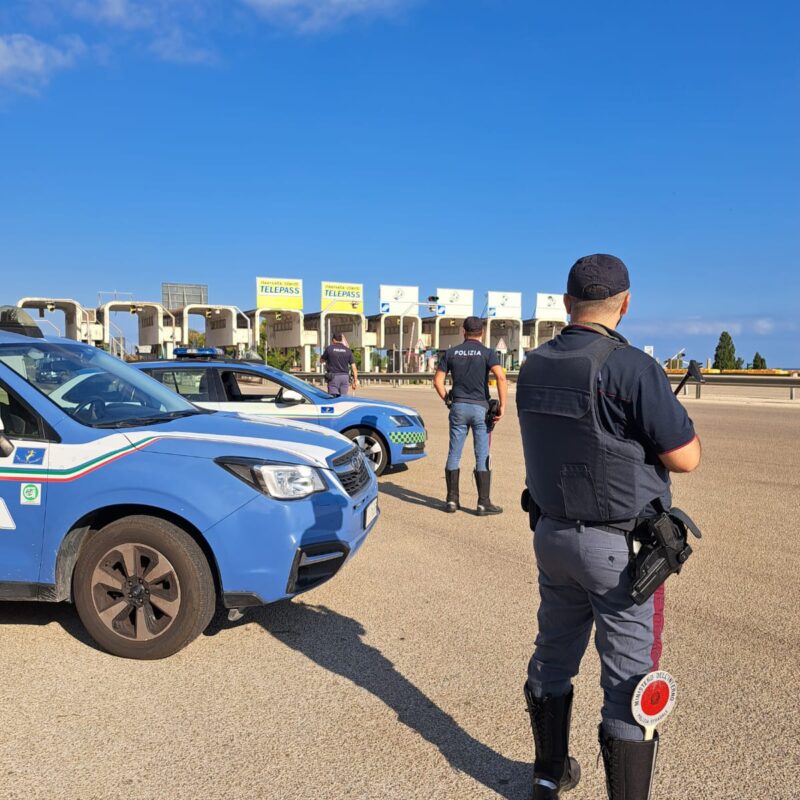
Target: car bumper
x=407 y=444
x=270 y=550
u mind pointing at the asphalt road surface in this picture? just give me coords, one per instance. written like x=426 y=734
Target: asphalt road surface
x=402 y=677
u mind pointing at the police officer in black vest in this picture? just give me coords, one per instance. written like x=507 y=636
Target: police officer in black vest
x=601 y=431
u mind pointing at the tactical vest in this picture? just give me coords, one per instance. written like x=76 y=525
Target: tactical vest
x=576 y=470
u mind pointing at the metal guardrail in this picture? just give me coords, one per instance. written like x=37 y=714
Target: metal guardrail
x=789 y=383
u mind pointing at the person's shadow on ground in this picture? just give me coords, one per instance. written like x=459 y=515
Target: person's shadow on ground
x=416 y=498
x=334 y=641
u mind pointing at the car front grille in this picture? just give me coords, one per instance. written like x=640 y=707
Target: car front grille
x=352 y=470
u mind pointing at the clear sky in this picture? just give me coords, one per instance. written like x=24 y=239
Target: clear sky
x=482 y=144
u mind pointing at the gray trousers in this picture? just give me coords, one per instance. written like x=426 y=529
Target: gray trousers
x=339 y=384
x=583 y=579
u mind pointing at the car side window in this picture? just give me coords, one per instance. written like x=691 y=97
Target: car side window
x=192 y=384
x=20 y=421
x=249 y=387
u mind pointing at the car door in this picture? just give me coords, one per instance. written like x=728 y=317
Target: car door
x=23 y=494
x=251 y=392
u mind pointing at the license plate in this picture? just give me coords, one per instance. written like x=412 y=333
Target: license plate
x=370 y=512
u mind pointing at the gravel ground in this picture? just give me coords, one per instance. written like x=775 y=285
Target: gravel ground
x=402 y=677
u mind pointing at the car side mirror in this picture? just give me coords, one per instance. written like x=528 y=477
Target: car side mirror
x=6 y=445
x=291 y=398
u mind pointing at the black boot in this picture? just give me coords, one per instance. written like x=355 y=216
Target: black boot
x=451 y=477
x=483 y=480
x=554 y=770
x=630 y=766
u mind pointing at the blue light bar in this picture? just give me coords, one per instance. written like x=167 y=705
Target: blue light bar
x=197 y=352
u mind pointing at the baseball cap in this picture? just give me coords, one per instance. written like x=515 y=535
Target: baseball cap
x=597 y=277
x=473 y=324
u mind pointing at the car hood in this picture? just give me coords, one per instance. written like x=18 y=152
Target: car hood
x=356 y=401
x=217 y=434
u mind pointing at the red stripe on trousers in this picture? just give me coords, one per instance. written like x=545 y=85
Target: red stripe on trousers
x=658 y=625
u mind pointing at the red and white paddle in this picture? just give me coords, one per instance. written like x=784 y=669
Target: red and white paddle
x=653 y=700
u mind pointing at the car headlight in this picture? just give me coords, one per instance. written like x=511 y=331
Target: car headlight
x=401 y=421
x=281 y=481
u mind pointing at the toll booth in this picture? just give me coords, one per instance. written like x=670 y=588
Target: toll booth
x=452 y=308
x=398 y=328
x=353 y=326
x=225 y=326
x=158 y=331
x=503 y=329
x=549 y=319
x=283 y=330
x=80 y=323
x=405 y=345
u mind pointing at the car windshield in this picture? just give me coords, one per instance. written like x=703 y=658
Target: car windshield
x=304 y=387
x=93 y=387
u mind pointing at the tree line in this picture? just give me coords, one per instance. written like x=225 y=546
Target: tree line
x=725 y=355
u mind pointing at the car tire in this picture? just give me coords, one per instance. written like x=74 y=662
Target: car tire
x=143 y=588
x=373 y=447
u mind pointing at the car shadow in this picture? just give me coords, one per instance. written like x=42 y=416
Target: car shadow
x=335 y=642
x=417 y=498
x=32 y=613
x=395 y=469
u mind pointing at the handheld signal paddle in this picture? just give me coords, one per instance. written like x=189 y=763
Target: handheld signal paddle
x=653 y=700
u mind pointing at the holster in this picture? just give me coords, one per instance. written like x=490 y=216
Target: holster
x=530 y=508
x=448 y=399
x=328 y=377
x=491 y=413
x=662 y=550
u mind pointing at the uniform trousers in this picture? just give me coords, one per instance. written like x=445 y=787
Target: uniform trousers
x=339 y=384
x=583 y=580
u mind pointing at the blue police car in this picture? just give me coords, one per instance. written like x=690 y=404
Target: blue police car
x=143 y=509
x=387 y=433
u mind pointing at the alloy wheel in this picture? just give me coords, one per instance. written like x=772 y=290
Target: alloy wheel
x=136 y=591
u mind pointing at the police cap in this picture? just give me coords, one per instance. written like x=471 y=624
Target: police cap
x=597 y=277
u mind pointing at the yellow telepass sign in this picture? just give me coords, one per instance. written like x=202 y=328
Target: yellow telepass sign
x=342 y=297
x=284 y=294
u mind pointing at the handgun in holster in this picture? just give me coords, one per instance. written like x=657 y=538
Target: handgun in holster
x=663 y=551
x=448 y=399
x=491 y=413
x=530 y=508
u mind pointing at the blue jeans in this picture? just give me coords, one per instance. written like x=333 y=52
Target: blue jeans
x=464 y=416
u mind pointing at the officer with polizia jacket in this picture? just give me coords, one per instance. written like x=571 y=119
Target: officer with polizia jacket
x=601 y=431
x=471 y=408
x=339 y=364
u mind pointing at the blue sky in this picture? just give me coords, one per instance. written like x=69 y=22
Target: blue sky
x=481 y=144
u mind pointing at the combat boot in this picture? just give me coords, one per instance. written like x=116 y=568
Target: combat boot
x=630 y=766
x=483 y=480
x=451 y=477
x=554 y=770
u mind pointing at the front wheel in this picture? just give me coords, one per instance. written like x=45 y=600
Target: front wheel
x=372 y=446
x=143 y=588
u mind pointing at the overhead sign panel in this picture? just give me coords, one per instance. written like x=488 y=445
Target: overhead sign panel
x=550 y=308
x=178 y=295
x=282 y=294
x=399 y=300
x=455 y=303
x=340 y=298
x=504 y=305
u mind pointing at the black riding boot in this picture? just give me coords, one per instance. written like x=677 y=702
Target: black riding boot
x=630 y=766
x=554 y=770
x=483 y=480
x=451 y=477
